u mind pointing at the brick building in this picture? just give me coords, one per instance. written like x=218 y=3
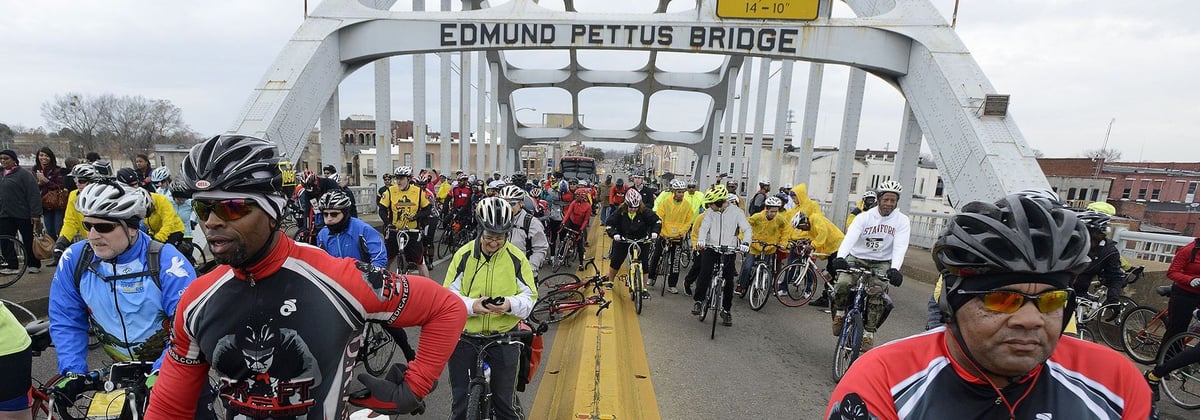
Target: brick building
x=1162 y=194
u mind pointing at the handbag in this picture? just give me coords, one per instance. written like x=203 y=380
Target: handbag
x=43 y=244
x=55 y=199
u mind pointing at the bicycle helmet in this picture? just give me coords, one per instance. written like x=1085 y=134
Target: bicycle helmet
x=86 y=172
x=678 y=184
x=1103 y=207
x=799 y=219
x=535 y=192
x=335 y=177
x=511 y=192
x=403 y=171
x=889 y=186
x=336 y=200
x=734 y=199
x=633 y=198
x=110 y=200
x=421 y=179
x=494 y=215
x=691 y=183
x=1095 y=221
x=496 y=185
x=773 y=201
x=103 y=167
x=582 y=192
x=1043 y=196
x=621 y=181
x=518 y=179
x=868 y=194
x=178 y=190
x=160 y=174
x=308 y=178
x=717 y=193
x=234 y=163
x=129 y=176
x=764 y=182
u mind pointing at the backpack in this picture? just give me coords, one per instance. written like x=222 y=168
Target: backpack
x=153 y=253
x=528 y=237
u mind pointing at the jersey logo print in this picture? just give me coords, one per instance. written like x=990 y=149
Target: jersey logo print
x=852 y=407
x=177 y=268
x=1043 y=416
x=288 y=308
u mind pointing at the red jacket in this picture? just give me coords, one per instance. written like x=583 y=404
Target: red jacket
x=460 y=195
x=616 y=195
x=577 y=213
x=1184 y=268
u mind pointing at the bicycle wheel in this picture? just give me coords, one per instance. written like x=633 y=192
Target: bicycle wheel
x=1142 y=333
x=848 y=345
x=475 y=402
x=558 y=281
x=1107 y=324
x=12 y=269
x=1183 y=385
x=1085 y=333
x=637 y=283
x=446 y=244
x=795 y=281
x=685 y=256
x=378 y=348
x=717 y=302
x=707 y=303
x=550 y=309
x=760 y=286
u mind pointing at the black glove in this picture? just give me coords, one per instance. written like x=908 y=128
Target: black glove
x=839 y=264
x=895 y=277
x=60 y=246
x=391 y=395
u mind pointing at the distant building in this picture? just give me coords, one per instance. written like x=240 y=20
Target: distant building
x=1161 y=196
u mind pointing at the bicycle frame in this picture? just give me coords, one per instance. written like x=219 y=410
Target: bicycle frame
x=479 y=395
x=850 y=340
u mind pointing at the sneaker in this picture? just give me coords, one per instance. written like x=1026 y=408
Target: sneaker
x=868 y=343
x=781 y=293
x=726 y=319
x=739 y=291
x=9 y=271
x=821 y=302
x=673 y=290
x=838 y=320
x=687 y=288
x=33 y=270
x=1154 y=385
x=580 y=268
x=650 y=281
x=696 y=308
x=646 y=294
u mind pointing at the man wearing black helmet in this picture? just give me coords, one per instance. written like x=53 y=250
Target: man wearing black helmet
x=266 y=281
x=1007 y=269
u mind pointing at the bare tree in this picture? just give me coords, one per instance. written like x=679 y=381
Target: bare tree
x=83 y=120
x=1108 y=155
x=133 y=124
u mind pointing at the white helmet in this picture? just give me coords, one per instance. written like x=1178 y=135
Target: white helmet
x=733 y=199
x=110 y=200
x=773 y=201
x=403 y=171
x=335 y=199
x=511 y=192
x=889 y=186
x=868 y=194
x=495 y=185
x=160 y=174
x=494 y=215
x=799 y=219
x=678 y=184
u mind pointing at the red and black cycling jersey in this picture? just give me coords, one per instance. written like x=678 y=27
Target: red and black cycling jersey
x=281 y=336
x=916 y=378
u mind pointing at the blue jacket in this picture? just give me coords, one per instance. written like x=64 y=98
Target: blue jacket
x=130 y=314
x=345 y=244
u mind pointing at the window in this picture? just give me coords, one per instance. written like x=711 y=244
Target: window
x=370 y=163
x=921 y=188
x=429 y=160
x=853 y=183
x=1071 y=194
x=408 y=159
x=1154 y=194
x=1125 y=193
x=940 y=188
x=718 y=167
x=1141 y=194
x=1095 y=194
x=832 y=180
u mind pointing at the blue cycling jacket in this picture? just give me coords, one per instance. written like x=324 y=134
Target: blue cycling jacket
x=344 y=244
x=132 y=315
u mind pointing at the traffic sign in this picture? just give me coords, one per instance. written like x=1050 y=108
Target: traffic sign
x=768 y=9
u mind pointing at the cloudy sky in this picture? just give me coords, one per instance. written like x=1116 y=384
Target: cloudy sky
x=1071 y=66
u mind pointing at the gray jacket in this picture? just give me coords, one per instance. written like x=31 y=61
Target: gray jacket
x=19 y=195
x=533 y=242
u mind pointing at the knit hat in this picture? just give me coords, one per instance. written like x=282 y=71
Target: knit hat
x=10 y=154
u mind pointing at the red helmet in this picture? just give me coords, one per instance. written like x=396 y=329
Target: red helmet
x=581 y=191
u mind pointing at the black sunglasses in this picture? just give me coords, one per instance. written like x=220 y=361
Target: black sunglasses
x=100 y=227
x=228 y=210
x=331 y=213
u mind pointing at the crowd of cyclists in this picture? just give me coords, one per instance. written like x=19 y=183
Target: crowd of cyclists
x=275 y=319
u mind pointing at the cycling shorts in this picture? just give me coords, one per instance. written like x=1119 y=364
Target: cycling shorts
x=15 y=380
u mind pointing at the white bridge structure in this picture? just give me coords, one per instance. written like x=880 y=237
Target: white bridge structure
x=949 y=101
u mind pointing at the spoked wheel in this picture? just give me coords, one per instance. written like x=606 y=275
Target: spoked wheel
x=378 y=347
x=475 y=400
x=1183 y=385
x=848 y=345
x=1142 y=334
x=797 y=283
x=12 y=260
x=636 y=284
x=707 y=304
x=1107 y=324
x=717 y=301
x=685 y=257
x=557 y=281
x=760 y=286
x=547 y=309
x=446 y=245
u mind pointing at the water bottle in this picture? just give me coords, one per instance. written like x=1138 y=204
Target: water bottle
x=487 y=373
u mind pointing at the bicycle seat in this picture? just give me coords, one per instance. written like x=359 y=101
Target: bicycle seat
x=39 y=333
x=1163 y=290
x=589 y=260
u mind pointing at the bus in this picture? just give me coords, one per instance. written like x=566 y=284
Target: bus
x=581 y=167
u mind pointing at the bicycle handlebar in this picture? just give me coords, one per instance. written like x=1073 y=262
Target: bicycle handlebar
x=510 y=337
x=863 y=271
x=725 y=250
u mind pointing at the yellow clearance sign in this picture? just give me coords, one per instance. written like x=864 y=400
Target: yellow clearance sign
x=768 y=9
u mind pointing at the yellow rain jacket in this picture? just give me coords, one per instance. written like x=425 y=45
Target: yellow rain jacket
x=676 y=217
x=774 y=231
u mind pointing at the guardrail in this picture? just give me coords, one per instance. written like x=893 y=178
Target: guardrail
x=364 y=199
x=1149 y=246
x=926 y=227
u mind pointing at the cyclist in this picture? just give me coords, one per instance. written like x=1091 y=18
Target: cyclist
x=867 y=203
x=616 y=197
x=460 y=200
x=677 y=215
x=823 y=236
x=528 y=234
x=16 y=367
x=486 y=268
x=494 y=187
x=719 y=229
x=769 y=228
x=160 y=177
x=381 y=209
x=758 y=201
x=877 y=240
x=407 y=204
x=576 y=217
x=632 y=221
x=695 y=197
x=83 y=174
x=348 y=237
x=1106 y=259
x=161 y=220
x=109 y=283
x=639 y=185
x=1185 y=298
x=276 y=320
x=1007 y=269
x=693 y=273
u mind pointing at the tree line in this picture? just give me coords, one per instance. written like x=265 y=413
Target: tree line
x=131 y=124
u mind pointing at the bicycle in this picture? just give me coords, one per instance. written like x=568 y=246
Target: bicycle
x=674 y=249
x=635 y=279
x=714 y=298
x=564 y=249
x=849 y=343
x=378 y=347
x=764 y=275
x=1142 y=330
x=1182 y=385
x=479 y=391
x=12 y=253
x=567 y=297
x=117 y=391
x=1095 y=316
x=798 y=280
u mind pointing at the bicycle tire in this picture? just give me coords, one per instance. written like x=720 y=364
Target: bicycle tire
x=706 y=305
x=18 y=249
x=545 y=312
x=636 y=280
x=475 y=404
x=1183 y=385
x=1110 y=332
x=557 y=281
x=1141 y=334
x=685 y=257
x=664 y=273
x=795 y=281
x=718 y=301
x=378 y=347
x=848 y=345
x=760 y=286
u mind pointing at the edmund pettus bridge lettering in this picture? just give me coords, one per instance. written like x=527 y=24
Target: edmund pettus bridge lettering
x=781 y=40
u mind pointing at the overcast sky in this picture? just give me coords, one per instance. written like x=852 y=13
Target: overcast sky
x=1070 y=65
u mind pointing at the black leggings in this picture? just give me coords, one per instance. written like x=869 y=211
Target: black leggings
x=1179 y=315
x=708 y=259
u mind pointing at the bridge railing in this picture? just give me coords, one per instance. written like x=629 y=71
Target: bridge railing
x=926 y=227
x=1149 y=246
x=364 y=199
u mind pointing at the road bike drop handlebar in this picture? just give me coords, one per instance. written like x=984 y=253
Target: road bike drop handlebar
x=723 y=250
x=511 y=337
